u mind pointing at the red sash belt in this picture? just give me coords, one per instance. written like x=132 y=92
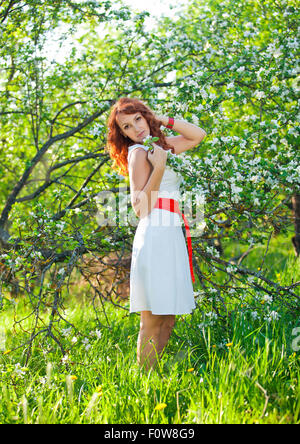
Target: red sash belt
x=172 y=205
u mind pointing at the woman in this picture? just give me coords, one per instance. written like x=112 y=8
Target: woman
x=160 y=279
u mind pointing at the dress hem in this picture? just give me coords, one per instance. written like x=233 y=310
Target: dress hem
x=167 y=313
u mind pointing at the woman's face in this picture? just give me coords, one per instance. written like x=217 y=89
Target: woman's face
x=134 y=126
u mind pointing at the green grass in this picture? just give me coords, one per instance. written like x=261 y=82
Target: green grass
x=248 y=374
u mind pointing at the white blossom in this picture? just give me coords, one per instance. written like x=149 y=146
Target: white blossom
x=259 y=94
x=19 y=371
x=272 y=316
x=268 y=299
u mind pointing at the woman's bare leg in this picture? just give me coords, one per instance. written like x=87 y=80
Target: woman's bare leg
x=148 y=339
x=155 y=331
x=166 y=330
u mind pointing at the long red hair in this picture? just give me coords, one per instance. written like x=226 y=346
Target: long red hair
x=117 y=144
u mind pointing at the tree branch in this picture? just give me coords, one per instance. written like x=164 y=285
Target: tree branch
x=19 y=186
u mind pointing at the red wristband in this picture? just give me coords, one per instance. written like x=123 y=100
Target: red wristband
x=170 y=123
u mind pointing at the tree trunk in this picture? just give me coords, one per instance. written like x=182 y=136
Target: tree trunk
x=296 y=218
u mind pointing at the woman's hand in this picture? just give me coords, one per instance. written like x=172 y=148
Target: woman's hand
x=158 y=157
x=162 y=119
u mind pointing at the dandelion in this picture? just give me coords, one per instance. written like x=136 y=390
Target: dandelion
x=160 y=406
x=73 y=377
x=99 y=389
x=190 y=369
x=229 y=344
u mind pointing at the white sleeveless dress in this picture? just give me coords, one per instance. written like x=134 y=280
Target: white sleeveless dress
x=160 y=277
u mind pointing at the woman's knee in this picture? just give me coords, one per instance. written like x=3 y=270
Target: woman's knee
x=150 y=322
x=169 y=323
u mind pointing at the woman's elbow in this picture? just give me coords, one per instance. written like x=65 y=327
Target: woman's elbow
x=202 y=135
